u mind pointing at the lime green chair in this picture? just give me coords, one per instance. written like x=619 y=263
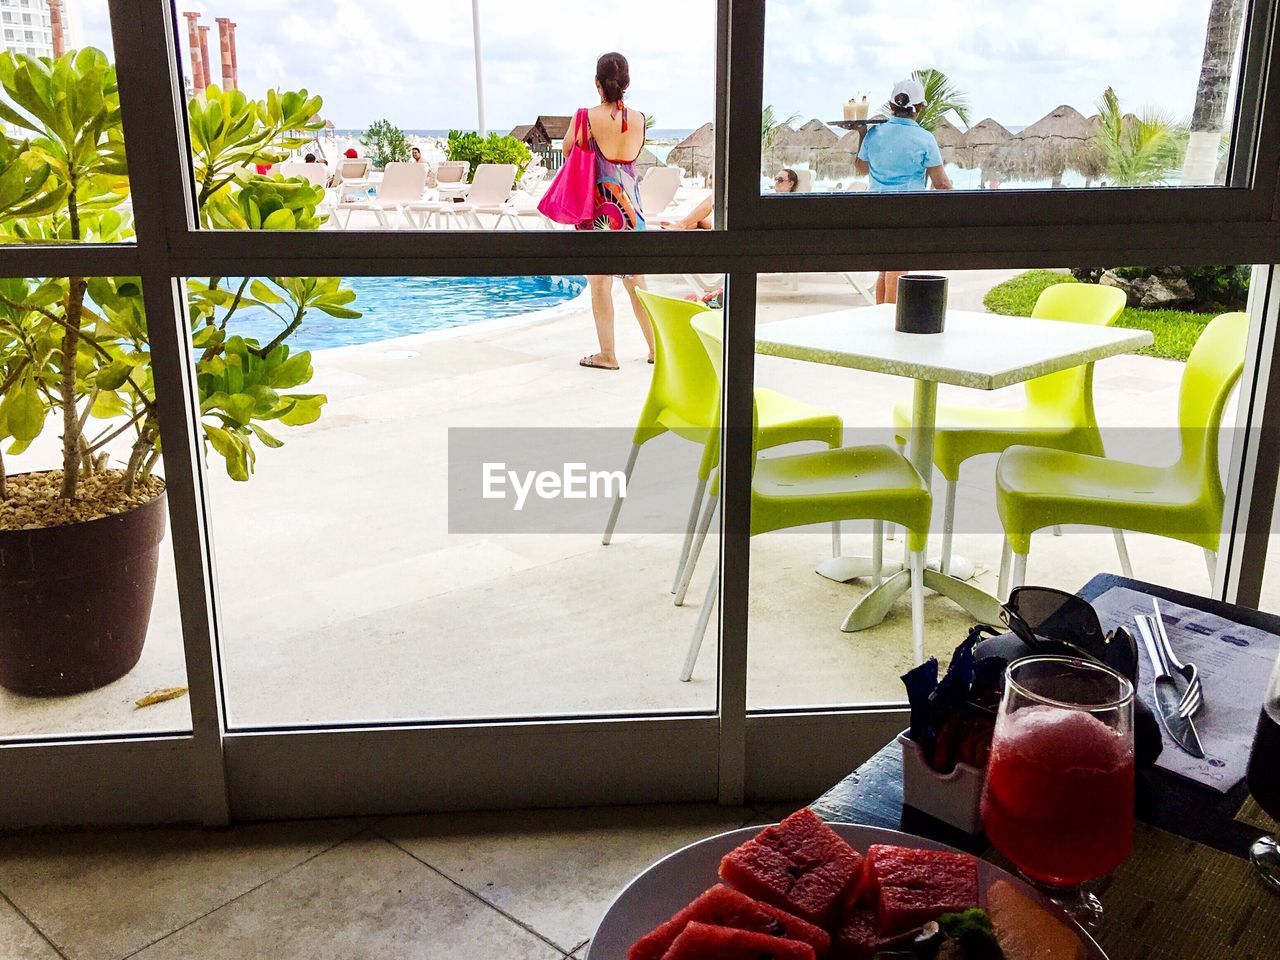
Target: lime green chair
x=1058 y=413
x=850 y=483
x=1037 y=488
x=684 y=398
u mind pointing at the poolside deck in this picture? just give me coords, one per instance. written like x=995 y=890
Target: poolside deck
x=346 y=599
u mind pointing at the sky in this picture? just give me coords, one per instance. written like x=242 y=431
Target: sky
x=411 y=61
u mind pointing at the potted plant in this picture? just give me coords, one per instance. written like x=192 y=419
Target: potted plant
x=79 y=543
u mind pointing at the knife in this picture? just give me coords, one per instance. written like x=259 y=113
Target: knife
x=1167 y=695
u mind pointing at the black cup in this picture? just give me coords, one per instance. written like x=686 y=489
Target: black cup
x=922 y=303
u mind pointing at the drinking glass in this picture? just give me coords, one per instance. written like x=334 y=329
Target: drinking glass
x=1059 y=796
x=1264 y=779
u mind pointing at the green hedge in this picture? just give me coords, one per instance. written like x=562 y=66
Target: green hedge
x=494 y=148
x=1176 y=331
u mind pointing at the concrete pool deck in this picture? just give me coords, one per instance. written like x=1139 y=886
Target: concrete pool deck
x=344 y=598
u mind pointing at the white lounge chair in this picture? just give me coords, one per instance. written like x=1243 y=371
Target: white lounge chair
x=354 y=176
x=354 y=169
x=522 y=209
x=317 y=174
x=532 y=178
x=804 y=181
x=402 y=184
x=451 y=178
x=489 y=194
x=686 y=201
x=658 y=188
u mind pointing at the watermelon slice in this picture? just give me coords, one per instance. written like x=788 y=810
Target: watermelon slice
x=702 y=941
x=723 y=906
x=801 y=866
x=857 y=937
x=911 y=887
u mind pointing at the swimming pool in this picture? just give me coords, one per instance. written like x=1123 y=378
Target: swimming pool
x=398 y=306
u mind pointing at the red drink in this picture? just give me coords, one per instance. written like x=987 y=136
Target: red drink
x=1059 y=795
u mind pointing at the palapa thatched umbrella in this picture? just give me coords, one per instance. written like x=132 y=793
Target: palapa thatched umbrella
x=836 y=161
x=1061 y=140
x=814 y=145
x=646 y=160
x=983 y=147
x=696 y=153
x=950 y=140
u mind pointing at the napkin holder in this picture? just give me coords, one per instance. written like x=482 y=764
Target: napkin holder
x=955 y=798
x=922 y=303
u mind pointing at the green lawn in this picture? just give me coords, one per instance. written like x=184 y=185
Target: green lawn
x=1175 y=331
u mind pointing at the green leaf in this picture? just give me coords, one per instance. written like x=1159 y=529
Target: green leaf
x=304 y=409
x=282 y=219
x=294 y=372
x=264 y=293
x=265 y=437
x=108 y=406
x=232 y=450
x=23 y=412
x=342 y=313
x=240 y=407
x=114 y=375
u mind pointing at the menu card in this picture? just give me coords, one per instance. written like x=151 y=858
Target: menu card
x=1235 y=663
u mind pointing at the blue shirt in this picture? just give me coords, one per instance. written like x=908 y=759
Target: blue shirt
x=898 y=152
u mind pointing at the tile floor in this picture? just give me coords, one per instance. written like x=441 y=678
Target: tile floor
x=528 y=884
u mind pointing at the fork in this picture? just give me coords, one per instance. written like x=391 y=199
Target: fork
x=1193 y=698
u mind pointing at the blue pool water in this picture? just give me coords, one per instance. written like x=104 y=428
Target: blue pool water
x=398 y=306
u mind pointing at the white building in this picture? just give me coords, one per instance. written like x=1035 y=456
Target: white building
x=26 y=27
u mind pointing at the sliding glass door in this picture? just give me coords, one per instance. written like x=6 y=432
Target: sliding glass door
x=459 y=505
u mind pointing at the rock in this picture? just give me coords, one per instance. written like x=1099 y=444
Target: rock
x=1109 y=279
x=1165 y=290
x=1154 y=293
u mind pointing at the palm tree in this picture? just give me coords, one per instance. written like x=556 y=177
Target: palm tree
x=1208 y=118
x=1141 y=151
x=941 y=97
x=771 y=126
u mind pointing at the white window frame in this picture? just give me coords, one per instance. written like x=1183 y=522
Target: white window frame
x=211 y=773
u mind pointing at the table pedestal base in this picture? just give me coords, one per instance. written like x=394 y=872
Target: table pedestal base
x=844 y=569
x=962 y=568
x=875 y=606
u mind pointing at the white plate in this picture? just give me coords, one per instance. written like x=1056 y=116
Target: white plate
x=673 y=882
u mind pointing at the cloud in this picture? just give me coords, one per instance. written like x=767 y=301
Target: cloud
x=412 y=61
x=1016 y=60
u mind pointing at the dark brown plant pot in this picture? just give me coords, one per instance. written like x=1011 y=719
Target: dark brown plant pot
x=75 y=600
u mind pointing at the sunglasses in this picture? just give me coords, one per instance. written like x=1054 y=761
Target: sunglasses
x=1054 y=622
x=781 y=179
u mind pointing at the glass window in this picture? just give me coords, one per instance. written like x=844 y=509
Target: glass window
x=92 y=642
x=410 y=487
x=1025 y=95
x=815 y=637
x=38 y=209
x=401 y=128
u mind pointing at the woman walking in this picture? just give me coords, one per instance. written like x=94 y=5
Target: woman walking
x=615 y=135
x=901 y=157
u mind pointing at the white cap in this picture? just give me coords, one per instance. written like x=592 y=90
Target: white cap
x=907 y=93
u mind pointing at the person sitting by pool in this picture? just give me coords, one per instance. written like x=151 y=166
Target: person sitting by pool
x=701 y=217
x=900 y=156
x=415 y=156
x=787 y=181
